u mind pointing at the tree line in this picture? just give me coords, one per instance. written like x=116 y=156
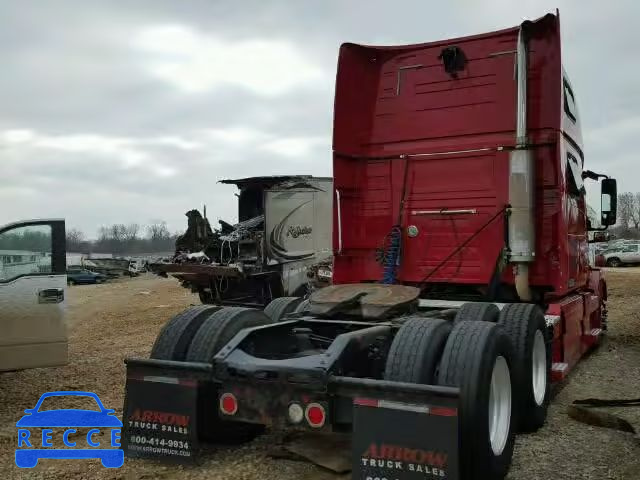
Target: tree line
x=26 y=240
x=628 y=225
x=124 y=239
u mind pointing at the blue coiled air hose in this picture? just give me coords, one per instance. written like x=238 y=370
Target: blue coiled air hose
x=392 y=256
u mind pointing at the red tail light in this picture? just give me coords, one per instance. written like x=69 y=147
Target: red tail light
x=228 y=404
x=315 y=415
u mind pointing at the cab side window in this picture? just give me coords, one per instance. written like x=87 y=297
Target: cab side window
x=570 y=102
x=575 y=184
x=25 y=250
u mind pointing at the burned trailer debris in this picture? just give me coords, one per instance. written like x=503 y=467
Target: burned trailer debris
x=280 y=246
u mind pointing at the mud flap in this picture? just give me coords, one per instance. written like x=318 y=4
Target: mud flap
x=405 y=441
x=160 y=412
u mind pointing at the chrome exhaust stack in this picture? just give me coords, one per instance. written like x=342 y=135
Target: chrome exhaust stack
x=521 y=182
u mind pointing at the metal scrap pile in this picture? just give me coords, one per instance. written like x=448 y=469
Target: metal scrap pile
x=201 y=244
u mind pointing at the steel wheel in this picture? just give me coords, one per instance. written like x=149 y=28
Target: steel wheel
x=539 y=366
x=499 y=405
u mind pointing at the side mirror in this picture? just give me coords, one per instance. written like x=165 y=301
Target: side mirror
x=609 y=201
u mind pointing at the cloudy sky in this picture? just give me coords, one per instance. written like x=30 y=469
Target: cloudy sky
x=132 y=111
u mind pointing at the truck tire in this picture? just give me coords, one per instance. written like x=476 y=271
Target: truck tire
x=472 y=311
x=478 y=358
x=173 y=340
x=416 y=350
x=279 y=307
x=614 y=262
x=527 y=328
x=302 y=306
x=214 y=334
x=206 y=297
x=216 y=331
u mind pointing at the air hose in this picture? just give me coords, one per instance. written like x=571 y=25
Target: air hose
x=391 y=257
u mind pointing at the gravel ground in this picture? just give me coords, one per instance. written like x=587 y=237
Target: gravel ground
x=112 y=321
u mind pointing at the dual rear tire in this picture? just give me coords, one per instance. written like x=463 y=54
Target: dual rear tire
x=500 y=361
x=525 y=325
x=197 y=335
x=478 y=358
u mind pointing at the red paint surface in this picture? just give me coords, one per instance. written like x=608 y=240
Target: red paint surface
x=374 y=127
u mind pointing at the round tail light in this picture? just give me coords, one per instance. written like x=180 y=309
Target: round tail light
x=315 y=415
x=228 y=404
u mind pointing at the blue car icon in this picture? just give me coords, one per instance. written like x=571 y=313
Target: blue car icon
x=28 y=456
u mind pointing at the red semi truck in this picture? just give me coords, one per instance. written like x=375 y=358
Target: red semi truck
x=462 y=287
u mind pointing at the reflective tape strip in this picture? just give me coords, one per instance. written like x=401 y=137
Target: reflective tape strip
x=153 y=378
x=408 y=407
x=170 y=380
x=403 y=406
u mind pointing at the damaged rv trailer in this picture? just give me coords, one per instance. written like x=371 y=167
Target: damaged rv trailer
x=281 y=245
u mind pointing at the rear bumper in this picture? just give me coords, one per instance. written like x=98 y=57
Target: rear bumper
x=267 y=402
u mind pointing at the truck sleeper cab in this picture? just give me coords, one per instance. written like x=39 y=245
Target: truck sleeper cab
x=461 y=282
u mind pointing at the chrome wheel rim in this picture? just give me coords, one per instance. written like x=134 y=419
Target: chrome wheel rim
x=539 y=368
x=499 y=405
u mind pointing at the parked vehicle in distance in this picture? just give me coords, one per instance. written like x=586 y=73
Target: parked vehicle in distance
x=81 y=276
x=137 y=266
x=627 y=254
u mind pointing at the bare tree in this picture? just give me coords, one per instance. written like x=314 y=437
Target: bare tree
x=117 y=232
x=635 y=212
x=75 y=240
x=625 y=209
x=158 y=231
x=633 y=202
x=130 y=232
x=121 y=239
x=103 y=234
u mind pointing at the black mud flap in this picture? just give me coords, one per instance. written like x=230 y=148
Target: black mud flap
x=405 y=440
x=160 y=409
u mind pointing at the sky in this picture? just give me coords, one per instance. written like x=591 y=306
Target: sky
x=131 y=112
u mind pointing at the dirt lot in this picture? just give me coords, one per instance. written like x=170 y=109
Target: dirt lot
x=113 y=321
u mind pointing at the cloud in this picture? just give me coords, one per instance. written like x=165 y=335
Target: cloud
x=295 y=147
x=195 y=62
x=94 y=179
x=125 y=152
x=136 y=110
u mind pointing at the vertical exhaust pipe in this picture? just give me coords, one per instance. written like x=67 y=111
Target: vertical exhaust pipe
x=521 y=181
